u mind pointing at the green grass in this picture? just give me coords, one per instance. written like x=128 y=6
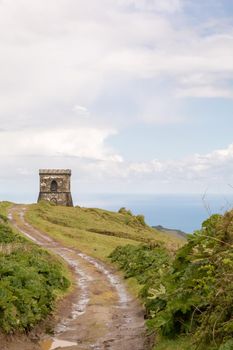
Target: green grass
x=172 y=285
x=96 y=232
x=4 y=207
x=31 y=279
x=182 y=343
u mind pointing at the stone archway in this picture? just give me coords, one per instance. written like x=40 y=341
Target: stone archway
x=53 y=186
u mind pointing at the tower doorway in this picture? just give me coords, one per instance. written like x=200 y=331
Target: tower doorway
x=53 y=186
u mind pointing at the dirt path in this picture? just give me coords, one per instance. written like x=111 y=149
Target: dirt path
x=100 y=314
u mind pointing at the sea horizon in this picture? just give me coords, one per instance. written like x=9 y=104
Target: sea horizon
x=184 y=212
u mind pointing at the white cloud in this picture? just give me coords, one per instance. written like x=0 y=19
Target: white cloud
x=82 y=142
x=53 y=54
x=81 y=111
x=215 y=165
x=74 y=71
x=100 y=169
x=213 y=168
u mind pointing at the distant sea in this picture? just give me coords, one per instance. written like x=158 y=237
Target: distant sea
x=183 y=212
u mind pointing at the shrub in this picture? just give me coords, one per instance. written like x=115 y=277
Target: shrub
x=193 y=294
x=125 y=211
x=141 y=219
x=3 y=218
x=29 y=282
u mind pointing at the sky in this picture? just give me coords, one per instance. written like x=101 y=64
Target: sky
x=135 y=96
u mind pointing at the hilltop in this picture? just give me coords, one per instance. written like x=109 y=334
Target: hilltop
x=177 y=233
x=96 y=231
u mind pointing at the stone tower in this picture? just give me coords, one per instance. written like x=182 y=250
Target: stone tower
x=55 y=186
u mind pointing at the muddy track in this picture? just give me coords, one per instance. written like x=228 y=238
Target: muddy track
x=102 y=314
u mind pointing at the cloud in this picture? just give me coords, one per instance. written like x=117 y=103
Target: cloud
x=99 y=169
x=81 y=111
x=214 y=168
x=82 y=142
x=55 y=54
x=75 y=72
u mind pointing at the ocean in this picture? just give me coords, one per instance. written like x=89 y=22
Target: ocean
x=183 y=212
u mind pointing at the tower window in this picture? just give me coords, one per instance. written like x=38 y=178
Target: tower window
x=53 y=186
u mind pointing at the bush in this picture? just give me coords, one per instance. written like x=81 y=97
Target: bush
x=228 y=345
x=130 y=219
x=7 y=235
x=193 y=294
x=144 y=262
x=29 y=282
x=3 y=218
x=141 y=219
x=125 y=211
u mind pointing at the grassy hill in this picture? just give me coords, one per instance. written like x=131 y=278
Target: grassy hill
x=183 y=291
x=177 y=233
x=98 y=233
x=95 y=231
x=184 y=283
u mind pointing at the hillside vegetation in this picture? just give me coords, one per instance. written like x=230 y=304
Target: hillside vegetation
x=95 y=231
x=30 y=280
x=189 y=298
x=185 y=285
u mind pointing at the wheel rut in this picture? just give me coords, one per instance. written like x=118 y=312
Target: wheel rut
x=102 y=314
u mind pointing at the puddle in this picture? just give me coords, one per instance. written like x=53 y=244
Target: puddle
x=114 y=280
x=10 y=217
x=52 y=344
x=82 y=281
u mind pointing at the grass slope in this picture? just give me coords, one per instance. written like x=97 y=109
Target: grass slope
x=95 y=231
x=99 y=232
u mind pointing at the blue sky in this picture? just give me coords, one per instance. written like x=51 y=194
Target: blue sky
x=133 y=95
x=198 y=135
